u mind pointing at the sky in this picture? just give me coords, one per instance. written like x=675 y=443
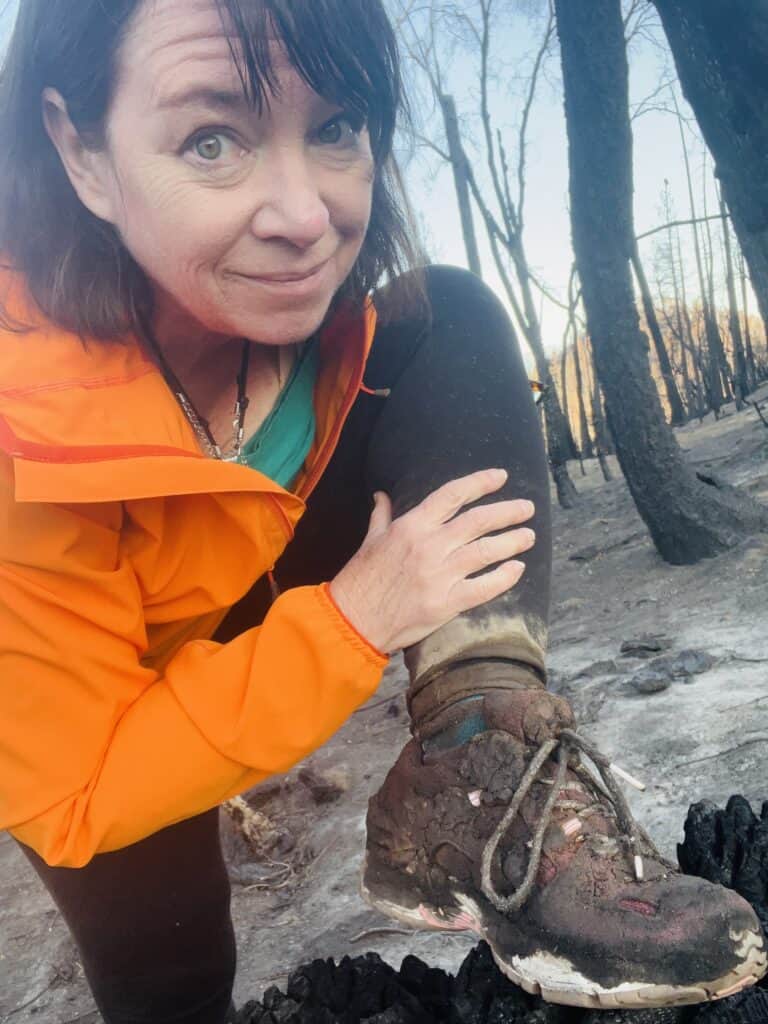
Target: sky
x=657 y=156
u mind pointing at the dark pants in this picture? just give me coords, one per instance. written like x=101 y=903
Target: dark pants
x=152 y=920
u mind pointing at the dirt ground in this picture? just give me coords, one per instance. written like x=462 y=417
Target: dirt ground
x=692 y=725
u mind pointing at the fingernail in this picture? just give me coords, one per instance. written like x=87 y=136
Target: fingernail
x=502 y=474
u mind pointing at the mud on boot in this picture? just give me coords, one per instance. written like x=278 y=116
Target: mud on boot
x=509 y=836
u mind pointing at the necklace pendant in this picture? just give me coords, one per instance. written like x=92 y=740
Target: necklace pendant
x=236 y=457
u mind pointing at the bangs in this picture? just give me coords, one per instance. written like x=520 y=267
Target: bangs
x=345 y=50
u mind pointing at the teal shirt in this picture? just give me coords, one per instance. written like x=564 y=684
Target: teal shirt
x=282 y=442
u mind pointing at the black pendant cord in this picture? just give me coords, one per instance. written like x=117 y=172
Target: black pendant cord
x=199 y=424
x=243 y=401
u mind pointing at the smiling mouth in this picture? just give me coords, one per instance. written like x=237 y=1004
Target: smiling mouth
x=292 y=277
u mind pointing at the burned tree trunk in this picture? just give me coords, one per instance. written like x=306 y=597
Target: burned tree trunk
x=718 y=353
x=602 y=440
x=680 y=332
x=721 y=52
x=740 y=376
x=460 y=179
x=587 y=450
x=755 y=257
x=564 y=375
x=688 y=519
x=676 y=410
x=712 y=386
x=750 y=353
x=698 y=372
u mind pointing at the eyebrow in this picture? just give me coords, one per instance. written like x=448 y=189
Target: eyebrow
x=219 y=99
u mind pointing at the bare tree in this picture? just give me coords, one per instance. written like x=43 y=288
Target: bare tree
x=458 y=161
x=688 y=518
x=719 y=359
x=564 y=373
x=574 y=298
x=668 y=275
x=692 y=346
x=721 y=52
x=712 y=377
x=676 y=410
x=740 y=381
x=586 y=441
x=752 y=376
x=602 y=440
x=502 y=202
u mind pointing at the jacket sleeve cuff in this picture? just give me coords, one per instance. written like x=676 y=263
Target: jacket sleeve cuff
x=351 y=634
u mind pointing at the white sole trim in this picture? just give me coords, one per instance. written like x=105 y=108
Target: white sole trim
x=556 y=980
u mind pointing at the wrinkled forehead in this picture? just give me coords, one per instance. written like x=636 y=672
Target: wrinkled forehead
x=342 y=50
x=173 y=40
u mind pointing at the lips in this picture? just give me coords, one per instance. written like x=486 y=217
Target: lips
x=288 y=276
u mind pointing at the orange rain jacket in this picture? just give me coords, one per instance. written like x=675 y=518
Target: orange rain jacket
x=121 y=549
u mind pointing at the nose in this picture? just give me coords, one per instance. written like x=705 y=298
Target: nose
x=290 y=206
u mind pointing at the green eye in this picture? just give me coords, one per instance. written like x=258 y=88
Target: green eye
x=209 y=147
x=331 y=133
x=339 y=131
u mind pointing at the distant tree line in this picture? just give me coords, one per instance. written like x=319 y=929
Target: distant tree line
x=645 y=353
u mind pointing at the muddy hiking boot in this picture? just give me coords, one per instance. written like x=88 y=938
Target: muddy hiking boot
x=492 y=823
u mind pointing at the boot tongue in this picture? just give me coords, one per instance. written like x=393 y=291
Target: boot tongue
x=532 y=716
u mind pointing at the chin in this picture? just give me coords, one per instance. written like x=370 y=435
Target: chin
x=287 y=333
x=282 y=327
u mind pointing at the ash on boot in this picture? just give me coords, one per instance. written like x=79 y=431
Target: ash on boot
x=726 y=846
x=532 y=716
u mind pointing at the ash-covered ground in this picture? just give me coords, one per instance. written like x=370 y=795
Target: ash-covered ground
x=667 y=668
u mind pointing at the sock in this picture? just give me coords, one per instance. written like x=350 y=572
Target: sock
x=464 y=722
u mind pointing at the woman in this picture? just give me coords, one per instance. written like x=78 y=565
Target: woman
x=198 y=198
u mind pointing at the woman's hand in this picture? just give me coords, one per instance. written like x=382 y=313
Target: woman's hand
x=410 y=575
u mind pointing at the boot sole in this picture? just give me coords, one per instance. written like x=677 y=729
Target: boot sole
x=555 y=980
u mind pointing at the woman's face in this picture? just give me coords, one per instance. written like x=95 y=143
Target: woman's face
x=247 y=223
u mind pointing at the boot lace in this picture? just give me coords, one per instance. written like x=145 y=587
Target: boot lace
x=634 y=838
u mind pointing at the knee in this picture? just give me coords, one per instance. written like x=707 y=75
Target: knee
x=438 y=293
x=454 y=292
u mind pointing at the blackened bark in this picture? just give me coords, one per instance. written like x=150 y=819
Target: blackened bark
x=711 y=378
x=683 y=330
x=716 y=346
x=750 y=353
x=740 y=381
x=602 y=440
x=721 y=53
x=461 y=183
x=688 y=520
x=561 y=445
x=755 y=255
x=693 y=348
x=564 y=376
x=676 y=410
x=679 y=331
x=562 y=435
x=586 y=441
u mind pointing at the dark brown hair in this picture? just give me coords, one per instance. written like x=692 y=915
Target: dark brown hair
x=76 y=268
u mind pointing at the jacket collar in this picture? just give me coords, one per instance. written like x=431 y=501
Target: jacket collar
x=95 y=421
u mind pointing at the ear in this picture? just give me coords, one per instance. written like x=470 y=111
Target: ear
x=88 y=170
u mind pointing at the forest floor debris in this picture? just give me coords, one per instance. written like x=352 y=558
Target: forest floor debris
x=702 y=737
